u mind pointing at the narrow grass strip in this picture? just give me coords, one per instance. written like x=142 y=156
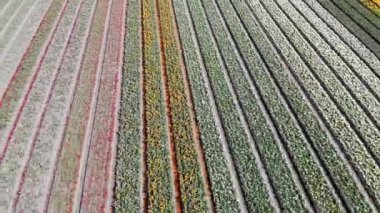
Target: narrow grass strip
x=127 y=188
x=211 y=135
x=191 y=183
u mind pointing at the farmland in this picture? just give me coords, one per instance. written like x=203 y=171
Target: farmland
x=189 y=106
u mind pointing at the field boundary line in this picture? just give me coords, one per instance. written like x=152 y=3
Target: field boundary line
x=222 y=135
x=85 y=148
x=36 y=70
x=31 y=147
x=60 y=146
x=317 y=111
x=190 y=103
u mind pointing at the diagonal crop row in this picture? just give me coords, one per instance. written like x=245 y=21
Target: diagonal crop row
x=357 y=79
x=4 y=5
x=296 y=97
x=256 y=115
x=66 y=174
x=340 y=40
x=335 y=121
x=353 y=112
x=180 y=124
x=129 y=152
x=211 y=132
x=9 y=13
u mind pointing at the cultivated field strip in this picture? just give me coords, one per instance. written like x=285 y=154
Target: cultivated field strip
x=289 y=97
x=68 y=176
x=96 y=191
x=190 y=106
x=52 y=122
x=127 y=192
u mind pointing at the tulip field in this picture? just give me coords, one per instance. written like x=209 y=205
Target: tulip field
x=189 y=106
